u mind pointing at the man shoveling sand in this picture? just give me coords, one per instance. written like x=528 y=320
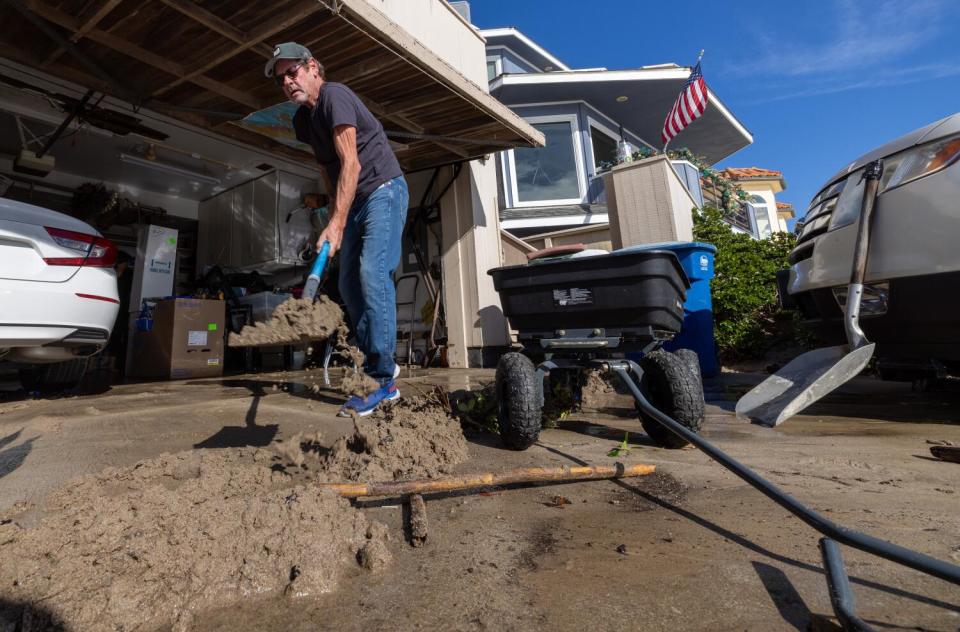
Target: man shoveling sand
x=368 y=206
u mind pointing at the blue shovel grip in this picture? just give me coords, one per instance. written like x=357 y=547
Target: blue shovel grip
x=313 y=280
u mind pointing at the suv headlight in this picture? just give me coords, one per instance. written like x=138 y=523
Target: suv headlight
x=898 y=169
x=920 y=161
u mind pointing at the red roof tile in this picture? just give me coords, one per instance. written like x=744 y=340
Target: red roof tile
x=736 y=173
x=784 y=205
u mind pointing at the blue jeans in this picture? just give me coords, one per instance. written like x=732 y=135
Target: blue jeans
x=369 y=253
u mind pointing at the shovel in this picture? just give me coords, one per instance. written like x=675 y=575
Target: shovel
x=810 y=376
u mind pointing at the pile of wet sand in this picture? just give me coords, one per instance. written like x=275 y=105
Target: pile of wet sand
x=601 y=389
x=412 y=438
x=148 y=546
x=295 y=320
x=299 y=320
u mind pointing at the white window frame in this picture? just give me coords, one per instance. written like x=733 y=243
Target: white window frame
x=497 y=65
x=578 y=158
x=592 y=122
x=756 y=207
x=501 y=47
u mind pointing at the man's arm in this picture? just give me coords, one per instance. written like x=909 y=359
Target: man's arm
x=329 y=190
x=345 y=142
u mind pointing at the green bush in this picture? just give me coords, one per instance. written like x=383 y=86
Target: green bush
x=747 y=319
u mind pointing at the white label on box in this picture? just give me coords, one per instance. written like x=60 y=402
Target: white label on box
x=197 y=338
x=213 y=362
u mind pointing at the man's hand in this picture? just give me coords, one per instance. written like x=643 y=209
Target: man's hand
x=333 y=234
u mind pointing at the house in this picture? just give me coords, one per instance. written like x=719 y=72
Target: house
x=785 y=213
x=557 y=191
x=765 y=215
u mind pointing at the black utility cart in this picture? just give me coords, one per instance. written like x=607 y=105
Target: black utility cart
x=579 y=312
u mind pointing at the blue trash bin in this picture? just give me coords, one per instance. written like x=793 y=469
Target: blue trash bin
x=696 y=258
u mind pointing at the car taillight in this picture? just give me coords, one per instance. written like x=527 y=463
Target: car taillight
x=97 y=252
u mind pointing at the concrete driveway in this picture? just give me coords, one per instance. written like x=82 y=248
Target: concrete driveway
x=689 y=548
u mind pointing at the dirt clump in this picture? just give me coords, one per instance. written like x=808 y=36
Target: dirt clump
x=295 y=320
x=358 y=383
x=374 y=554
x=294 y=451
x=408 y=438
x=601 y=389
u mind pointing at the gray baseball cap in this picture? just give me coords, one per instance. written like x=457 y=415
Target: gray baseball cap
x=287 y=50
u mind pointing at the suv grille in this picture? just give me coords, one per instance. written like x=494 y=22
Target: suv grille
x=816 y=221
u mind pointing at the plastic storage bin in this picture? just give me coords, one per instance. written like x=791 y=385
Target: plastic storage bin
x=696 y=259
x=620 y=290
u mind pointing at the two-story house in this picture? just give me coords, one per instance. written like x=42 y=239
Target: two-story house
x=583 y=114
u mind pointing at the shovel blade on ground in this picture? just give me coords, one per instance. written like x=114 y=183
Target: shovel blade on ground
x=801 y=382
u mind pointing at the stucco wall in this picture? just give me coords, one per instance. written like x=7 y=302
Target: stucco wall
x=765 y=191
x=440 y=28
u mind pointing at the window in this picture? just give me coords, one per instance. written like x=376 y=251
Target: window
x=761 y=216
x=494 y=67
x=742 y=219
x=552 y=172
x=604 y=147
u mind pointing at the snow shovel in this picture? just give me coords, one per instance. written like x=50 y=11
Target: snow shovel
x=810 y=376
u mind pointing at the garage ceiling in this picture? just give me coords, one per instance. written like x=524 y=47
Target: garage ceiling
x=202 y=62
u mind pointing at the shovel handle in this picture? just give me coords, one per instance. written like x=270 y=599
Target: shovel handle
x=313 y=280
x=872 y=174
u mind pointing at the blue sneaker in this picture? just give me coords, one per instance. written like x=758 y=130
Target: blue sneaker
x=363 y=406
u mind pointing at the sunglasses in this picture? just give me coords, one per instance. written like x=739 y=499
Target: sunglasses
x=291 y=72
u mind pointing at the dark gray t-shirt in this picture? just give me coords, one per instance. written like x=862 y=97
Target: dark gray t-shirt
x=338 y=105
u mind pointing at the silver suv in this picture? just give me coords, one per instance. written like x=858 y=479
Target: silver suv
x=911 y=307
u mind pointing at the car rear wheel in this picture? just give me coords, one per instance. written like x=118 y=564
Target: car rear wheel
x=57 y=376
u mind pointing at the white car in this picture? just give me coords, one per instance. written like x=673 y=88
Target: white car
x=58 y=293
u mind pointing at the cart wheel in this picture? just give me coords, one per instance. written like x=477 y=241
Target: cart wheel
x=670 y=385
x=693 y=362
x=518 y=401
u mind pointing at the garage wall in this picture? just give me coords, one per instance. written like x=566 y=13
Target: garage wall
x=178 y=206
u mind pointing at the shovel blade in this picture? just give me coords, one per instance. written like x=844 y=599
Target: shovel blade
x=801 y=382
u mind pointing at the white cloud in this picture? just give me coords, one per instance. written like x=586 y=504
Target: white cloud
x=860 y=45
x=896 y=77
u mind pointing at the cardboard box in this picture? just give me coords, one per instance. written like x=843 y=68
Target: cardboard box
x=185 y=341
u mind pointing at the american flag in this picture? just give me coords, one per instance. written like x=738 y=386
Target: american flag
x=690 y=106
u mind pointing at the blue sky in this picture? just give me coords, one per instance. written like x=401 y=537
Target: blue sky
x=817 y=83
